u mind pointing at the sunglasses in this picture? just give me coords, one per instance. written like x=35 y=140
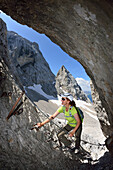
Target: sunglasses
x=63 y=99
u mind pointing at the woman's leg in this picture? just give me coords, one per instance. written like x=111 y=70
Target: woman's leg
x=61 y=136
x=78 y=137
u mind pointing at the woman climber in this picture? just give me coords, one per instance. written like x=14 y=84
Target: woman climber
x=74 y=123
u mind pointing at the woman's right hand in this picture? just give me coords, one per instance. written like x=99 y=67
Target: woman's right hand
x=39 y=124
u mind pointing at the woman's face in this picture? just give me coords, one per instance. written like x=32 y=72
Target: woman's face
x=64 y=101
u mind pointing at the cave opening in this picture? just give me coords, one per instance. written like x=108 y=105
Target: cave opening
x=64 y=62
x=52 y=53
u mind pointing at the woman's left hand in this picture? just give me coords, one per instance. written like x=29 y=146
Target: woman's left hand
x=71 y=133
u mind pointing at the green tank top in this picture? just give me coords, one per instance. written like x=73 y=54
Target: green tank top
x=69 y=115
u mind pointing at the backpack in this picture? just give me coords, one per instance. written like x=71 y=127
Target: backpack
x=80 y=113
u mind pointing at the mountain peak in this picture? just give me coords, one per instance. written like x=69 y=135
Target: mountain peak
x=62 y=70
x=65 y=82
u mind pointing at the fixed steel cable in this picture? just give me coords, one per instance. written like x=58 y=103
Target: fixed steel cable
x=21 y=87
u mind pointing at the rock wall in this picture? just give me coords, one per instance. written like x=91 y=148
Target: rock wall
x=32 y=68
x=23 y=148
x=20 y=147
x=101 y=113
x=81 y=28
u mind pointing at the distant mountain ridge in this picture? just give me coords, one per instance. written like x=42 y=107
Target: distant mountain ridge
x=30 y=64
x=88 y=93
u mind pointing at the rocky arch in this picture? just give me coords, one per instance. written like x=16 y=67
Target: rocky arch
x=83 y=29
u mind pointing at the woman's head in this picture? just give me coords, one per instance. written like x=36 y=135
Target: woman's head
x=69 y=98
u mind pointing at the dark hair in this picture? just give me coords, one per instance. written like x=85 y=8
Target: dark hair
x=72 y=103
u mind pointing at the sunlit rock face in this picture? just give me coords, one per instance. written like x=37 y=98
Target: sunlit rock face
x=101 y=113
x=81 y=28
x=65 y=82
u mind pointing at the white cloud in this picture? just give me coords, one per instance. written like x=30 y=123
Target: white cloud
x=84 y=84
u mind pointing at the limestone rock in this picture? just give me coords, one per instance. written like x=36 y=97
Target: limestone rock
x=101 y=112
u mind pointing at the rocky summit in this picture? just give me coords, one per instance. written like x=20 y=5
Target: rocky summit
x=65 y=82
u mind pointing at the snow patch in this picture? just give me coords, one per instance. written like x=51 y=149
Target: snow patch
x=38 y=88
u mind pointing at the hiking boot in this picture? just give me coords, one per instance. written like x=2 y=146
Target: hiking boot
x=72 y=149
x=76 y=151
x=65 y=147
x=62 y=147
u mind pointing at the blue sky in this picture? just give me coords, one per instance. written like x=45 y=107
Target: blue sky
x=53 y=54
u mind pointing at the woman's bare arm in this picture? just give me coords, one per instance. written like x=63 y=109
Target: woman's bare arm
x=77 y=125
x=48 y=120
